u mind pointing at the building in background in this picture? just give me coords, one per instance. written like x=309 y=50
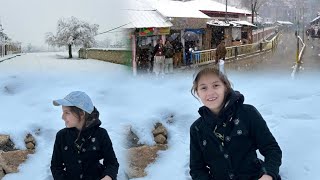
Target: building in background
x=7 y=46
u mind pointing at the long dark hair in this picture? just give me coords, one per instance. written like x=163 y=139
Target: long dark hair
x=89 y=118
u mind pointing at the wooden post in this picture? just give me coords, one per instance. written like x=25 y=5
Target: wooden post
x=133 y=47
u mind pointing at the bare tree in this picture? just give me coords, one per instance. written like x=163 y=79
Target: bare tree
x=254 y=5
x=73 y=32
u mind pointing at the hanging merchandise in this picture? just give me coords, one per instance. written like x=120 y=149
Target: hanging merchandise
x=146 y=31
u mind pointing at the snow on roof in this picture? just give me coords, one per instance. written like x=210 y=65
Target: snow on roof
x=317 y=18
x=231 y=23
x=142 y=15
x=268 y=22
x=146 y=18
x=178 y=9
x=210 y=5
x=243 y=23
x=138 y=5
x=218 y=23
x=285 y=22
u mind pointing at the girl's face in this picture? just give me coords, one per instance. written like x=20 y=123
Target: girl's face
x=70 y=118
x=211 y=91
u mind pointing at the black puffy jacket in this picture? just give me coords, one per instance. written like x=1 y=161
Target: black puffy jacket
x=80 y=160
x=224 y=146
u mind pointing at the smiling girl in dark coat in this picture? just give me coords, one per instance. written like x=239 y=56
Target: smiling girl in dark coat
x=80 y=146
x=224 y=140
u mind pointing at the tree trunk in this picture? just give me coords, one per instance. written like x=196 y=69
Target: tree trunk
x=70 y=50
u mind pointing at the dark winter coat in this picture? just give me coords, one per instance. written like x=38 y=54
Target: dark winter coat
x=168 y=51
x=158 y=50
x=232 y=156
x=221 y=52
x=70 y=162
x=178 y=47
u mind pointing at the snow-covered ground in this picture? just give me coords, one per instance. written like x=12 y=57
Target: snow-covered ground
x=29 y=83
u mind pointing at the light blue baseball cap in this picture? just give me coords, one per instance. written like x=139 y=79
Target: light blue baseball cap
x=76 y=98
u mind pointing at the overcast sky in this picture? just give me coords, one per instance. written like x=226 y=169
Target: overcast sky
x=27 y=21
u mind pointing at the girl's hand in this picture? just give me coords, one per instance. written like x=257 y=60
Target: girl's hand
x=109 y=178
x=266 y=177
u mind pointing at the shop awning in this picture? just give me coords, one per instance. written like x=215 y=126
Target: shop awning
x=197 y=31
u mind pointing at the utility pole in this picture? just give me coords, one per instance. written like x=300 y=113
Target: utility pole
x=1 y=40
x=252 y=12
x=297 y=34
x=303 y=23
x=226 y=18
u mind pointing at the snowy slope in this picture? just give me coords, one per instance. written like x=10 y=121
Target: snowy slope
x=29 y=83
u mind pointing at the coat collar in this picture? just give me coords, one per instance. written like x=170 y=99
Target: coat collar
x=89 y=127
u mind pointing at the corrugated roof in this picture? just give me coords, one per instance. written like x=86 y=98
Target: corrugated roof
x=146 y=18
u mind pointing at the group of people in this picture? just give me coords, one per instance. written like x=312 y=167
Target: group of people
x=223 y=140
x=162 y=58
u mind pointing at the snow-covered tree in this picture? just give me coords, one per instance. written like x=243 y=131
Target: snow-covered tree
x=72 y=31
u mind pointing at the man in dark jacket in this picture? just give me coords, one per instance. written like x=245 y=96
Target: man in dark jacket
x=168 y=62
x=224 y=146
x=221 y=52
x=178 y=47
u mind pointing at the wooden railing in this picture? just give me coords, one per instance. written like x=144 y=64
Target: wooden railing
x=233 y=52
x=260 y=34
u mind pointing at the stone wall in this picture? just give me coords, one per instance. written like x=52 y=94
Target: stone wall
x=118 y=56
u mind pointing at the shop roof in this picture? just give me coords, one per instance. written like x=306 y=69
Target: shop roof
x=146 y=18
x=285 y=22
x=142 y=15
x=317 y=18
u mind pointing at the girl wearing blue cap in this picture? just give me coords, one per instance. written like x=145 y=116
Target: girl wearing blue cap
x=224 y=140
x=83 y=143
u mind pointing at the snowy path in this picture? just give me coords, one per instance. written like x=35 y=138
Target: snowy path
x=282 y=59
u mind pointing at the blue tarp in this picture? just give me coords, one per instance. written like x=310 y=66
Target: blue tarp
x=197 y=31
